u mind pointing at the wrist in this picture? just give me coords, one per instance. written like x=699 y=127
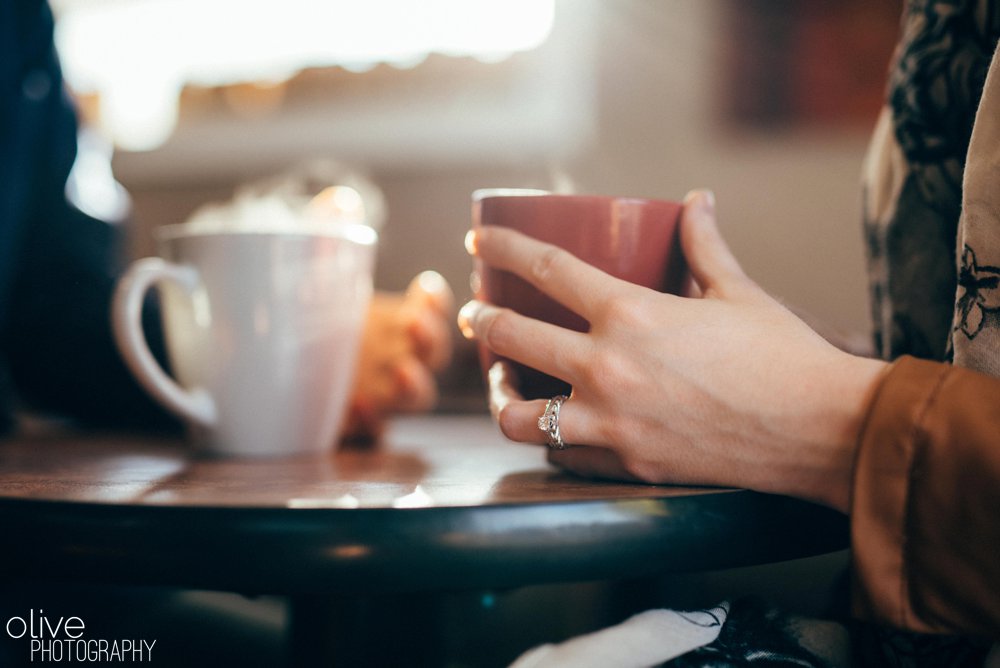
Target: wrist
x=845 y=404
x=812 y=454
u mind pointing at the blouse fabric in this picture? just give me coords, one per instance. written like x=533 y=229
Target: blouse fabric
x=926 y=491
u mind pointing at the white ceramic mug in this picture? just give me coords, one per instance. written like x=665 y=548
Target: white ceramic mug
x=262 y=332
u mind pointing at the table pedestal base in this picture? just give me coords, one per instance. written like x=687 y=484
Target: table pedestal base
x=400 y=630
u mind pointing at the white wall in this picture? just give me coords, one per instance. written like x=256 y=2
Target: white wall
x=788 y=200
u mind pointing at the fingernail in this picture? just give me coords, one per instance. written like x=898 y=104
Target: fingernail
x=470 y=242
x=465 y=317
x=703 y=199
x=429 y=282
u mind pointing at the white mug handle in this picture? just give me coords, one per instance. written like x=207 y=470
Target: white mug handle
x=126 y=318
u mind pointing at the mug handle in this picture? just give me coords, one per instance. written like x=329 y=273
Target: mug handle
x=126 y=319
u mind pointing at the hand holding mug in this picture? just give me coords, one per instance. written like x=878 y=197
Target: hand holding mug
x=631 y=238
x=728 y=388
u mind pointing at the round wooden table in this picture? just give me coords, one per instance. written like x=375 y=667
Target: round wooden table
x=446 y=503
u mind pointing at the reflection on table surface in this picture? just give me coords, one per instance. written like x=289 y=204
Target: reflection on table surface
x=427 y=461
x=444 y=504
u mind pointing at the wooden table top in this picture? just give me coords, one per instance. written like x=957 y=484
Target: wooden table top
x=445 y=502
x=470 y=464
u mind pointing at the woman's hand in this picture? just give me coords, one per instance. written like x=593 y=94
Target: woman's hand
x=407 y=338
x=723 y=388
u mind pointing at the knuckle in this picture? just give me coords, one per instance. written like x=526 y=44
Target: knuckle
x=628 y=312
x=497 y=331
x=604 y=371
x=592 y=373
x=546 y=264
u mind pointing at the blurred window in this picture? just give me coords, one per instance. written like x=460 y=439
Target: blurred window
x=136 y=56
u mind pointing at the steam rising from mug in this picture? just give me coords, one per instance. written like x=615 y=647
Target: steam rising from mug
x=263 y=321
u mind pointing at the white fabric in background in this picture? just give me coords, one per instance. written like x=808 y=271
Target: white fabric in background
x=647 y=639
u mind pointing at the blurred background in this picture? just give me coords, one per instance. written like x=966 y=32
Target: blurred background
x=768 y=102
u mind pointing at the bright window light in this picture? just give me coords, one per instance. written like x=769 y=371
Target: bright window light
x=138 y=55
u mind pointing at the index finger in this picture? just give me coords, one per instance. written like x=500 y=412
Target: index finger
x=579 y=286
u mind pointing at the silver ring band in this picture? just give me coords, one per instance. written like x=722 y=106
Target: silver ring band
x=549 y=422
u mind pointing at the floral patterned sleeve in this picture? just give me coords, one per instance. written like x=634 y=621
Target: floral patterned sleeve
x=915 y=177
x=975 y=331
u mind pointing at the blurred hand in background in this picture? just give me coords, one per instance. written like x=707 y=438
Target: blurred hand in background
x=406 y=340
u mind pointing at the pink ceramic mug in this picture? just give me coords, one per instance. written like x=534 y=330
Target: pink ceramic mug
x=628 y=237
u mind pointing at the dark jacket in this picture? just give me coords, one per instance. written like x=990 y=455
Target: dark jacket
x=57 y=265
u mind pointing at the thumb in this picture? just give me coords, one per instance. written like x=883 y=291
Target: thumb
x=711 y=262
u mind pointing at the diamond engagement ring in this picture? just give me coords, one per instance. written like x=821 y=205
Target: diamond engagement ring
x=549 y=422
